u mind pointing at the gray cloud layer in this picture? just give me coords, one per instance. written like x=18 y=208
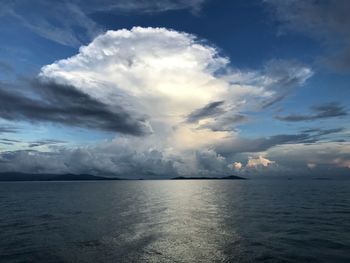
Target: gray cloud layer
x=7 y=129
x=328 y=110
x=62 y=104
x=210 y=110
x=244 y=145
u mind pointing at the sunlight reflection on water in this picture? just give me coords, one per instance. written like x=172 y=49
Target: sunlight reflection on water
x=175 y=221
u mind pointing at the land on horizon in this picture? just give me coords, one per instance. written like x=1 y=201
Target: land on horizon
x=15 y=176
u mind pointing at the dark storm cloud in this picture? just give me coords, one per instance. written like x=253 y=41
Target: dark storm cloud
x=210 y=110
x=324 y=111
x=51 y=102
x=326 y=20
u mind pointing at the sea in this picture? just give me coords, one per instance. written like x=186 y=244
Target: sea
x=272 y=220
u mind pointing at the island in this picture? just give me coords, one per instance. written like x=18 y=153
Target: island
x=17 y=177
x=230 y=177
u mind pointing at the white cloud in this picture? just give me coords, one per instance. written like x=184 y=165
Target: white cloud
x=311 y=165
x=258 y=162
x=237 y=165
x=165 y=76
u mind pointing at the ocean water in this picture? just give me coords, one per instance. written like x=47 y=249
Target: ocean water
x=176 y=221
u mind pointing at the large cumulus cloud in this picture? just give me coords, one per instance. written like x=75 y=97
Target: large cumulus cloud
x=188 y=96
x=173 y=77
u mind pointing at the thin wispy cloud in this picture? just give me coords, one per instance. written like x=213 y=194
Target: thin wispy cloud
x=324 y=111
x=70 y=23
x=327 y=21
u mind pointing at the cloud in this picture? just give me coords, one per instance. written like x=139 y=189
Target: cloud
x=225 y=123
x=125 y=158
x=6 y=141
x=65 y=104
x=59 y=21
x=150 y=6
x=231 y=146
x=47 y=142
x=323 y=158
x=172 y=77
x=331 y=158
x=176 y=90
x=260 y=161
x=342 y=162
x=311 y=165
x=221 y=119
x=107 y=160
x=237 y=165
x=8 y=129
x=210 y=110
x=282 y=77
x=326 y=20
x=328 y=110
x=9 y=140
x=69 y=23
x=210 y=163
x=235 y=145
x=318 y=132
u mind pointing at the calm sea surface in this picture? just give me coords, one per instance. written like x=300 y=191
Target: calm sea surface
x=176 y=221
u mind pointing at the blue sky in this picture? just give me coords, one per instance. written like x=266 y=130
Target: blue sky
x=274 y=77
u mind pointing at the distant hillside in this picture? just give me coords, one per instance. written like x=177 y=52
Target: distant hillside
x=230 y=177
x=13 y=176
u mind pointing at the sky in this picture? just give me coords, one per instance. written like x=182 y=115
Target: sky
x=157 y=89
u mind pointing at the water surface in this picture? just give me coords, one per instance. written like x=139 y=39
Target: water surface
x=175 y=221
